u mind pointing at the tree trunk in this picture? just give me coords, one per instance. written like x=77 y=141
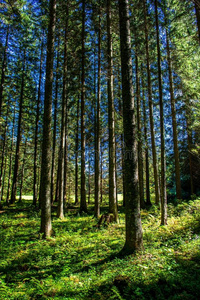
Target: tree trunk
x=45 y=180
x=163 y=191
x=97 y=144
x=134 y=240
x=140 y=153
x=76 y=154
x=36 y=130
x=83 y=205
x=148 y=198
x=22 y=173
x=55 y=124
x=111 y=121
x=3 y=69
x=174 y=123
x=19 y=134
x=60 y=207
x=3 y=156
x=11 y=159
x=155 y=166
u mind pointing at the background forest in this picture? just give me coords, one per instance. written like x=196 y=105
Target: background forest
x=63 y=148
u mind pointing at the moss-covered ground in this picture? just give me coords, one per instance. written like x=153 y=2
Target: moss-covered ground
x=81 y=261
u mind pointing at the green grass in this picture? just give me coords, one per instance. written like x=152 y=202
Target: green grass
x=82 y=262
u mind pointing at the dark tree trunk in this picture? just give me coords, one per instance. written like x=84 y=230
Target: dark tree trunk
x=134 y=240
x=76 y=154
x=101 y=179
x=55 y=125
x=22 y=173
x=97 y=144
x=148 y=198
x=11 y=159
x=174 y=123
x=155 y=166
x=36 y=130
x=163 y=191
x=19 y=135
x=45 y=180
x=83 y=204
x=111 y=121
x=140 y=152
x=3 y=156
x=3 y=70
x=60 y=208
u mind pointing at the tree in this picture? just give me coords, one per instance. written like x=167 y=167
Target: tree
x=45 y=181
x=111 y=121
x=19 y=133
x=134 y=240
x=163 y=192
x=97 y=144
x=83 y=204
x=150 y=98
x=60 y=211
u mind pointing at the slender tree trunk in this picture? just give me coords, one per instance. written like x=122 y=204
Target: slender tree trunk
x=148 y=198
x=83 y=205
x=111 y=121
x=45 y=180
x=55 y=124
x=11 y=159
x=155 y=166
x=97 y=144
x=36 y=130
x=76 y=154
x=3 y=157
x=163 y=191
x=134 y=240
x=140 y=152
x=101 y=179
x=19 y=134
x=22 y=173
x=3 y=181
x=89 y=182
x=174 y=123
x=60 y=208
x=189 y=140
x=3 y=70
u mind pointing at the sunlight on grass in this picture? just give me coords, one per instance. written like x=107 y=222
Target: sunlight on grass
x=81 y=261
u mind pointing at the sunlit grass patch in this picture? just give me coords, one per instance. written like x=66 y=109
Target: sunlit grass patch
x=81 y=261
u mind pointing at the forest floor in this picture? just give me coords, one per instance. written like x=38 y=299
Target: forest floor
x=81 y=261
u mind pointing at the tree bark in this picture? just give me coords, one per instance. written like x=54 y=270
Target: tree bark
x=111 y=121
x=97 y=144
x=19 y=134
x=163 y=191
x=148 y=198
x=45 y=180
x=60 y=207
x=140 y=153
x=76 y=154
x=174 y=123
x=3 y=70
x=155 y=166
x=134 y=240
x=11 y=159
x=36 y=129
x=22 y=173
x=83 y=204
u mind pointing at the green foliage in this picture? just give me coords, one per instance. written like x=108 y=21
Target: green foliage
x=82 y=262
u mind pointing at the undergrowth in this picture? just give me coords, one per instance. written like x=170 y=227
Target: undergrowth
x=81 y=261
